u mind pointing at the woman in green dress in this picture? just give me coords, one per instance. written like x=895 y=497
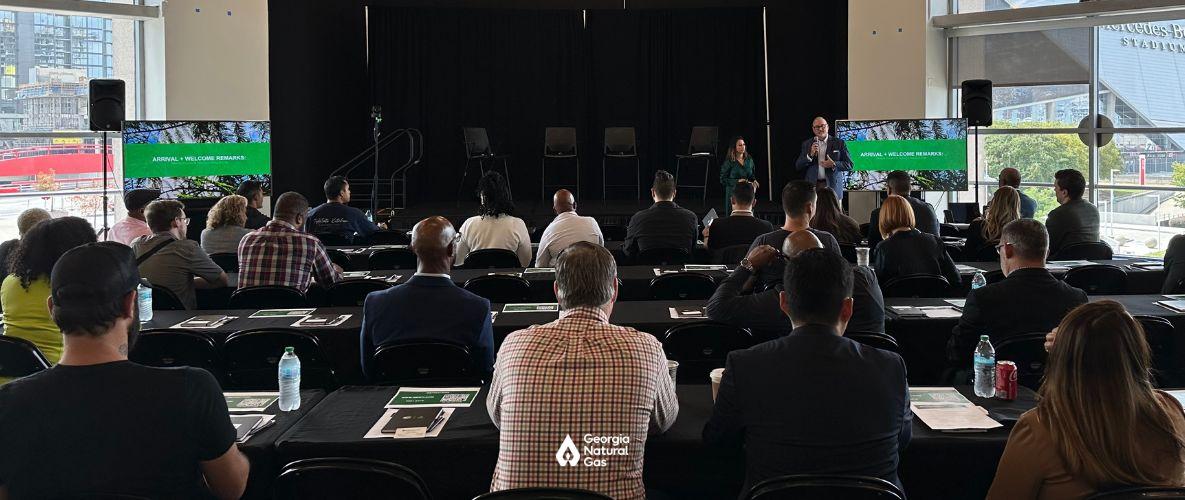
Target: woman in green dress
x=737 y=165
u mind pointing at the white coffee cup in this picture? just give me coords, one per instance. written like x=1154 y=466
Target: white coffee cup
x=716 y=375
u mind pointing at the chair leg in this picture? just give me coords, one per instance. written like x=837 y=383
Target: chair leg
x=509 y=190
x=578 y=193
x=604 y=181
x=638 y=172
x=543 y=179
x=464 y=174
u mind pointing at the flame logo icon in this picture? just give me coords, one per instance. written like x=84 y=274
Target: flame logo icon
x=568 y=455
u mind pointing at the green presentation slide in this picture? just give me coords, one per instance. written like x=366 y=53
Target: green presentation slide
x=196 y=159
x=915 y=154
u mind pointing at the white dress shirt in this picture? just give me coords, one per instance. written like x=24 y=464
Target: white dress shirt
x=506 y=232
x=566 y=229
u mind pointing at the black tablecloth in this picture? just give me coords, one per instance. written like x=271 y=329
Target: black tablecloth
x=261 y=448
x=460 y=463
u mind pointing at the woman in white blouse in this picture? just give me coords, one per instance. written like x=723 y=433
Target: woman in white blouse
x=495 y=227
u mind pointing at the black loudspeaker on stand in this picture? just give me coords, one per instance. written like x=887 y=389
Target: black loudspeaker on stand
x=106 y=115
x=977 y=109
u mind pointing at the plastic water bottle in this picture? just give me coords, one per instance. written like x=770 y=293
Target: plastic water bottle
x=144 y=296
x=985 y=368
x=370 y=216
x=289 y=381
x=978 y=281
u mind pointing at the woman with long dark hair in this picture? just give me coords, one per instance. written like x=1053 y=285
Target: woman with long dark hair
x=1098 y=424
x=829 y=217
x=737 y=165
x=496 y=227
x=25 y=290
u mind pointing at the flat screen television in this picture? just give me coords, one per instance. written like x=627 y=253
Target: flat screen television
x=196 y=159
x=933 y=151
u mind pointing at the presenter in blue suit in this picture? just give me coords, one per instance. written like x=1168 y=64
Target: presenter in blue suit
x=824 y=159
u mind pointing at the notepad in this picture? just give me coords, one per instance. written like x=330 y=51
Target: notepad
x=321 y=320
x=355 y=274
x=248 y=425
x=281 y=313
x=660 y=272
x=539 y=270
x=945 y=409
x=687 y=312
x=442 y=397
x=433 y=429
x=205 y=322
x=539 y=307
x=704 y=267
x=249 y=401
x=1172 y=305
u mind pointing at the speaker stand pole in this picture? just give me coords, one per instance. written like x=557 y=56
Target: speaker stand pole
x=376 y=113
x=104 y=207
x=977 y=167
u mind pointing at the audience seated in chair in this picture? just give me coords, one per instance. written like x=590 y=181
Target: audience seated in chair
x=401 y=312
x=984 y=232
x=26 y=288
x=225 y=225
x=552 y=380
x=740 y=227
x=830 y=218
x=1011 y=177
x=168 y=259
x=496 y=227
x=280 y=254
x=905 y=250
x=1098 y=424
x=772 y=402
x=253 y=192
x=899 y=183
x=24 y=222
x=664 y=224
x=799 y=200
x=134 y=225
x=566 y=229
x=98 y=423
x=759 y=311
x=336 y=217
x=1075 y=220
x=1174 y=266
x=1028 y=300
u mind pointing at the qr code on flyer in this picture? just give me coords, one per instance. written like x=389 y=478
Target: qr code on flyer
x=454 y=398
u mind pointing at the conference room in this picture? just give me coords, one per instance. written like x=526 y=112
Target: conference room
x=589 y=249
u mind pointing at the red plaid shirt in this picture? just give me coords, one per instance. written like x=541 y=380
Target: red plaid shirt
x=281 y=255
x=578 y=377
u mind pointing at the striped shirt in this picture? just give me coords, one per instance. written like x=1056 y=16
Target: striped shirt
x=580 y=378
x=278 y=254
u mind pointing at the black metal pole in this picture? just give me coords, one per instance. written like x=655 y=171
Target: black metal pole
x=104 y=207
x=376 y=112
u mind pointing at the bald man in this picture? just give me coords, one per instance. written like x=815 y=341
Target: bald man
x=1011 y=177
x=824 y=160
x=760 y=311
x=566 y=229
x=430 y=306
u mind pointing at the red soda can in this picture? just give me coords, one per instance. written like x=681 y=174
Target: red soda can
x=1006 y=380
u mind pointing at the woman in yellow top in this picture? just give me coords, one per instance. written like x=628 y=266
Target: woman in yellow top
x=1099 y=424
x=25 y=291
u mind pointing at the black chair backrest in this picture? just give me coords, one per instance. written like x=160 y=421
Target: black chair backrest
x=848 y=251
x=267 y=297
x=543 y=494
x=682 y=286
x=424 y=364
x=702 y=346
x=489 y=258
x=392 y=258
x=164 y=299
x=1159 y=333
x=477 y=142
x=1098 y=279
x=168 y=347
x=559 y=141
x=340 y=258
x=663 y=256
x=353 y=292
x=1090 y=250
x=995 y=276
x=250 y=358
x=815 y=486
x=1142 y=493
x=500 y=288
x=229 y=262
x=620 y=141
x=334 y=240
x=732 y=254
x=875 y=339
x=613 y=232
x=986 y=253
x=319 y=478
x=916 y=285
x=1028 y=352
x=19 y=357
x=703 y=140
x=390 y=238
x=949 y=230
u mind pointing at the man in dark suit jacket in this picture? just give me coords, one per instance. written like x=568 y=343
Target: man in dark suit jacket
x=1011 y=177
x=824 y=160
x=429 y=306
x=1075 y=220
x=740 y=227
x=760 y=312
x=899 y=183
x=1028 y=300
x=664 y=224
x=798 y=202
x=814 y=402
x=253 y=192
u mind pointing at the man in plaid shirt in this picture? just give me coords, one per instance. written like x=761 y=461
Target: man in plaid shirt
x=280 y=254
x=575 y=399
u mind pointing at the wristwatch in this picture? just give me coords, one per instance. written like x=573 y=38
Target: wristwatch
x=746 y=264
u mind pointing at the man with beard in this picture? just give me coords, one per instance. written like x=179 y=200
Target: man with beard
x=98 y=424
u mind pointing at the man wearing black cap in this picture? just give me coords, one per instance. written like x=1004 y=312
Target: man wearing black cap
x=134 y=225
x=98 y=423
